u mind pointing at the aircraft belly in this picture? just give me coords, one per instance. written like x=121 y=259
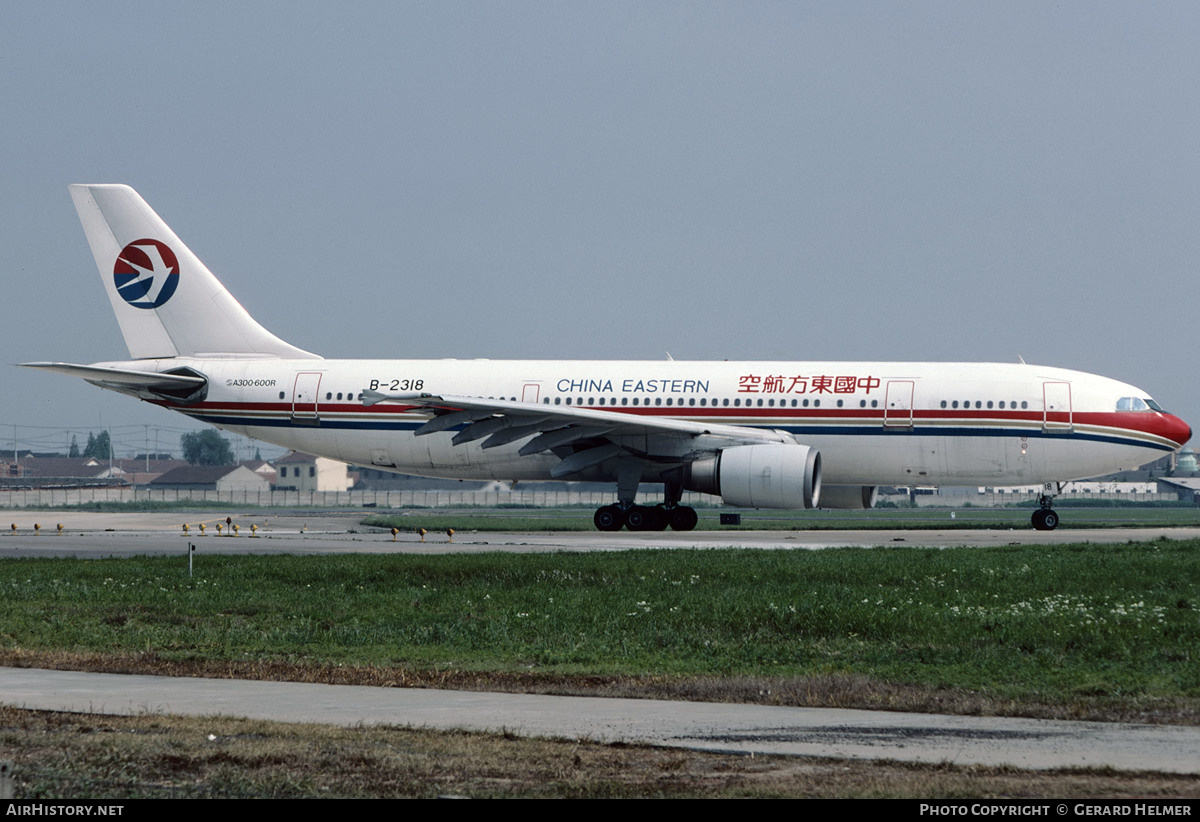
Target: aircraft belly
x=1069 y=458
x=889 y=459
x=435 y=456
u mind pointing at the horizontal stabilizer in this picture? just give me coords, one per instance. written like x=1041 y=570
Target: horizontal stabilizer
x=119 y=376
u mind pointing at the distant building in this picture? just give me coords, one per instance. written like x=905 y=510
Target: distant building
x=261 y=467
x=212 y=478
x=1186 y=489
x=1081 y=487
x=32 y=471
x=303 y=472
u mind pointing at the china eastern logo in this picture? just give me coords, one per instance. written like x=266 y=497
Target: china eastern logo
x=146 y=273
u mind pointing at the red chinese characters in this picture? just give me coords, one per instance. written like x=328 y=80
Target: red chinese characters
x=802 y=384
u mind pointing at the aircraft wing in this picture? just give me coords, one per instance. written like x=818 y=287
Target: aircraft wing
x=589 y=435
x=119 y=378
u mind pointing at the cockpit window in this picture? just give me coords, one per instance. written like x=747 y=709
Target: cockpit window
x=1138 y=404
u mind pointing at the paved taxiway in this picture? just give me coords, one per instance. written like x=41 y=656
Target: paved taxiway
x=743 y=728
x=90 y=534
x=963 y=740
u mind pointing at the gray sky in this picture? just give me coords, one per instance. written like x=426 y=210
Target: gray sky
x=910 y=181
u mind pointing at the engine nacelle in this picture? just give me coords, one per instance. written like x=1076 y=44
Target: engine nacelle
x=760 y=476
x=854 y=497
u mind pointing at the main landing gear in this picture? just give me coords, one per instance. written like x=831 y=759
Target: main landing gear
x=1045 y=519
x=644 y=517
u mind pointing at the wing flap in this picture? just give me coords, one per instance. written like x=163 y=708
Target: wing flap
x=597 y=435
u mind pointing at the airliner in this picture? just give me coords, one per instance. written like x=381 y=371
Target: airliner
x=785 y=435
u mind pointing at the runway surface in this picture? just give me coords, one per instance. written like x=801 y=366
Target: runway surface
x=962 y=740
x=742 y=728
x=91 y=534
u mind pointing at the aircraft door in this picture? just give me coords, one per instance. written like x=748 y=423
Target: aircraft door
x=1057 y=404
x=530 y=392
x=304 y=396
x=898 y=404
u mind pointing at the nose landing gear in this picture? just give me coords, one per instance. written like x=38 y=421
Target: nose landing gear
x=1045 y=518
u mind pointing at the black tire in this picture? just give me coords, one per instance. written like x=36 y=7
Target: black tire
x=641 y=518
x=1044 y=519
x=683 y=518
x=609 y=518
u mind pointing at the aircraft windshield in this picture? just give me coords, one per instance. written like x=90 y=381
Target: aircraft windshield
x=1138 y=404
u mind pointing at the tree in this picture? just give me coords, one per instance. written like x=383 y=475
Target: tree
x=98 y=446
x=74 y=451
x=206 y=448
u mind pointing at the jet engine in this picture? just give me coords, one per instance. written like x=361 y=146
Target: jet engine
x=854 y=497
x=760 y=476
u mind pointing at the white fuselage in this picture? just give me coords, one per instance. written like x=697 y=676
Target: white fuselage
x=874 y=423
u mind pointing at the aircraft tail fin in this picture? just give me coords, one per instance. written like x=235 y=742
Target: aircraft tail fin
x=167 y=302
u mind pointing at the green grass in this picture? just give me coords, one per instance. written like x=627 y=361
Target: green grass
x=1120 y=622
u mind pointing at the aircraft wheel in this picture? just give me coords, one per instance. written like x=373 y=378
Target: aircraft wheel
x=641 y=518
x=683 y=518
x=662 y=518
x=609 y=518
x=1044 y=519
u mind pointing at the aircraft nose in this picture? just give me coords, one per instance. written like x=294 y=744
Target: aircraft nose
x=1178 y=430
